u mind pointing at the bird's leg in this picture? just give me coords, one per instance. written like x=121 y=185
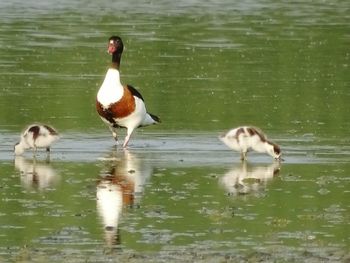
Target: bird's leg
x=48 y=154
x=114 y=134
x=34 y=151
x=127 y=138
x=243 y=156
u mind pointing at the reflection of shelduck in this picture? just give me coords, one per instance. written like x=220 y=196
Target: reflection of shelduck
x=119 y=187
x=246 y=138
x=35 y=174
x=121 y=106
x=244 y=179
x=36 y=136
x=109 y=206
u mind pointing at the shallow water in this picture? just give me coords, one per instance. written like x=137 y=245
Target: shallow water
x=171 y=196
x=177 y=193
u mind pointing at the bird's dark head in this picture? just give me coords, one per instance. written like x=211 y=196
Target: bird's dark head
x=115 y=45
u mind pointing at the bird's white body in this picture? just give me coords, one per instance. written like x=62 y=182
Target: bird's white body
x=36 y=136
x=245 y=138
x=111 y=89
x=113 y=92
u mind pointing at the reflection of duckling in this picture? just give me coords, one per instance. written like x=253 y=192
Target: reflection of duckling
x=118 y=188
x=245 y=138
x=36 y=136
x=244 y=179
x=34 y=174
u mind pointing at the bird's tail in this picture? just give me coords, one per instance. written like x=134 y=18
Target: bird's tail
x=150 y=119
x=155 y=118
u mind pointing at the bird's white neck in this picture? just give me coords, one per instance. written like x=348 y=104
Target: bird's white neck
x=269 y=148
x=111 y=90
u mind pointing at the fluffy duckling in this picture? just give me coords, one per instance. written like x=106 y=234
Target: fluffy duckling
x=36 y=136
x=246 y=138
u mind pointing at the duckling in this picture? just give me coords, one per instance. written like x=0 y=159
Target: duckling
x=36 y=136
x=245 y=138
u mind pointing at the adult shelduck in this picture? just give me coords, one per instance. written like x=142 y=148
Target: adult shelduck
x=245 y=138
x=121 y=106
x=36 y=136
